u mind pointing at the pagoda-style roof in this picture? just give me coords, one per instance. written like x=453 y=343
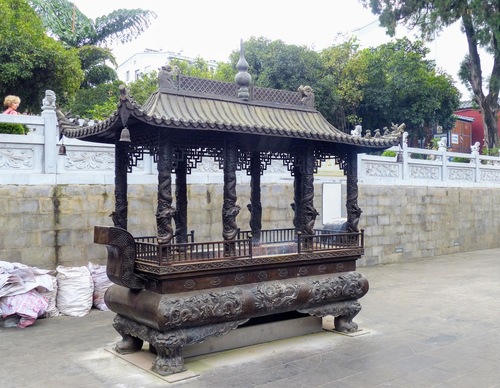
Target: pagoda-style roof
x=203 y=107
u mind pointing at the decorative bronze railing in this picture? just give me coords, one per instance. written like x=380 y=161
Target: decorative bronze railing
x=166 y=254
x=273 y=241
x=152 y=239
x=271 y=236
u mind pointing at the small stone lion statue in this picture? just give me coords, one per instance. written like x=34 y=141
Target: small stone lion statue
x=475 y=147
x=442 y=144
x=307 y=94
x=166 y=77
x=357 y=131
x=49 y=102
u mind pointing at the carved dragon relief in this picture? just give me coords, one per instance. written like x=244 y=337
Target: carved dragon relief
x=275 y=295
x=350 y=285
x=205 y=307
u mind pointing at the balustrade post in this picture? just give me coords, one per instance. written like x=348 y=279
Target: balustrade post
x=405 y=173
x=477 y=177
x=50 y=133
x=444 y=168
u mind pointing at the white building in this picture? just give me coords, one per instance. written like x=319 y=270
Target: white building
x=149 y=60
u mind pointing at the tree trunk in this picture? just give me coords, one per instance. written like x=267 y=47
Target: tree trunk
x=490 y=112
x=488 y=104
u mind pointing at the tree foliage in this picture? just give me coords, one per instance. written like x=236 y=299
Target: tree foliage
x=66 y=22
x=96 y=71
x=97 y=102
x=30 y=61
x=400 y=85
x=480 y=21
x=339 y=86
x=274 y=64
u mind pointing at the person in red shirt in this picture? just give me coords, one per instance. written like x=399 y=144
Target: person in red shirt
x=11 y=103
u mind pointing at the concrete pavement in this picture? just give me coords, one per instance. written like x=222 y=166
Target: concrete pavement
x=425 y=323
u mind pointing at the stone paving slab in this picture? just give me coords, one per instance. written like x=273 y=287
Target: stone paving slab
x=429 y=323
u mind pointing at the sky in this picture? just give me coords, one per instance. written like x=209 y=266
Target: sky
x=213 y=29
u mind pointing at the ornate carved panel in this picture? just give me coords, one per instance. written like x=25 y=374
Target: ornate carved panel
x=202 y=307
x=19 y=158
x=424 y=172
x=381 y=170
x=96 y=161
x=490 y=176
x=461 y=174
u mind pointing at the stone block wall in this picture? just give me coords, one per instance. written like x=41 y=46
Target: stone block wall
x=403 y=223
x=47 y=225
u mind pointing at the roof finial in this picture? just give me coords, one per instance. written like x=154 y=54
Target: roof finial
x=243 y=79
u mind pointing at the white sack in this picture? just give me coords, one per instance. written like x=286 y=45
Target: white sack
x=101 y=284
x=75 y=288
x=51 y=296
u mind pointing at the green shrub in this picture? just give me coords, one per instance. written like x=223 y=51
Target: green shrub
x=15 y=129
x=460 y=160
x=389 y=153
x=490 y=151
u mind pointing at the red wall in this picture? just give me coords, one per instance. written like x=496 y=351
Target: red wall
x=477 y=124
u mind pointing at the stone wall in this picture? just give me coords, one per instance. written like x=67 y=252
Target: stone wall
x=46 y=226
x=403 y=223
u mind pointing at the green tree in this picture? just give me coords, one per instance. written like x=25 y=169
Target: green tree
x=274 y=64
x=66 y=22
x=401 y=85
x=339 y=93
x=97 y=102
x=143 y=87
x=30 y=61
x=225 y=72
x=480 y=20
x=94 y=65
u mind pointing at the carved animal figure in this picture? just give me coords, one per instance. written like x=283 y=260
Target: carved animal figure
x=356 y=131
x=166 y=77
x=307 y=95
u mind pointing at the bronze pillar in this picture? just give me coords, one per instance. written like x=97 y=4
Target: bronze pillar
x=307 y=209
x=165 y=211
x=181 y=202
x=229 y=208
x=119 y=216
x=297 y=196
x=353 y=210
x=305 y=213
x=255 y=205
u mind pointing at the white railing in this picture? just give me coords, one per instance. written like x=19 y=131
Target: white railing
x=416 y=166
x=34 y=159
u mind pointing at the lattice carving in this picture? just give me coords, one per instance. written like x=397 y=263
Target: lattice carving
x=341 y=161
x=244 y=161
x=274 y=95
x=135 y=154
x=231 y=89
x=207 y=86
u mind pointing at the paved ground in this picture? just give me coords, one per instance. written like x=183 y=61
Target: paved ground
x=429 y=323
